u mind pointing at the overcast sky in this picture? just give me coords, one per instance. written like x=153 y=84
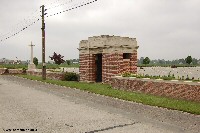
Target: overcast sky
x=164 y=29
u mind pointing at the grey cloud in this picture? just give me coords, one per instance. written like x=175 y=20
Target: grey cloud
x=164 y=28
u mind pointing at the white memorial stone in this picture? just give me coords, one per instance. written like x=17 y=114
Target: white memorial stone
x=31 y=66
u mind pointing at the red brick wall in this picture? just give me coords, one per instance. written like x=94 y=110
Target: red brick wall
x=112 y=64
x=109 y=66
x=177 y=90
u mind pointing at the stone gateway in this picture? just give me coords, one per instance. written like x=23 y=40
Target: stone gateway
x=102 y=57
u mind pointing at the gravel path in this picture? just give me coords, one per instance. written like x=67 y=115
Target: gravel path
x=26 y=104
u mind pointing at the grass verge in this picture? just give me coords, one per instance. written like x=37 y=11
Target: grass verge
x=107 y=90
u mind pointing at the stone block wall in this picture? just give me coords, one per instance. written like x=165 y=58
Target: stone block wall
x=50 y=75
x=177 y=90
x=11 y=71
x=15 y=71
x=3 y=71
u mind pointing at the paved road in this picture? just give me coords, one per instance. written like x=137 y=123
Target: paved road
x=26 y=104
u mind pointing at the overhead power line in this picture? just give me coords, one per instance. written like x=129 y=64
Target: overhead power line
x=79 y=5
x=17 y=30
x=35 y=16
x=22 y=25
x=52 y=5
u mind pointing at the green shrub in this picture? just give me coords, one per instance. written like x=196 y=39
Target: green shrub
x=126 y=74
x=147 y=76
x=133 y=75
x=155 y=77
x=168 y=77
x=24 y=69
x=187 y=78
x=69 y=76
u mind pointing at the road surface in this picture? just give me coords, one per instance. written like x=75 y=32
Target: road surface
x=44 y=108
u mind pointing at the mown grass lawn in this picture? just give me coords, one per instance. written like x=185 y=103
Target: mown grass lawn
x=107 y=90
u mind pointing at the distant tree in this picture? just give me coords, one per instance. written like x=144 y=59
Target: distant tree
x=194 y=61
x=57 y=58
x=181 y=61
x=175 y=62
x=198 y=61
x=141 y=60
x=68 y=62
x=146 y=60
x=168 y=62
x=188 y=60
x=153 y=62
x=161 y=61
x=35 y=61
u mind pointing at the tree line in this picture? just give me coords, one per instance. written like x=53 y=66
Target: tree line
x=58 y=59
x=183 y=61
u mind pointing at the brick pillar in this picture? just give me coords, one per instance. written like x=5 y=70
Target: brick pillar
x=105 y=61
x=120 y=63
x=133 y=63
x=87 y=67
x=92 y=68
x=84 y=67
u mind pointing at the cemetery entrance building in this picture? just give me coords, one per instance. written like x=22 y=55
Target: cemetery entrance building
x=102 y=57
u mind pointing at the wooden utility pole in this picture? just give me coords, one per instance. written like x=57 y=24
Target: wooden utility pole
x=43 y=45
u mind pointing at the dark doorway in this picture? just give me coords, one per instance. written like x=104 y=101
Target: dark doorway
x=99 y=68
